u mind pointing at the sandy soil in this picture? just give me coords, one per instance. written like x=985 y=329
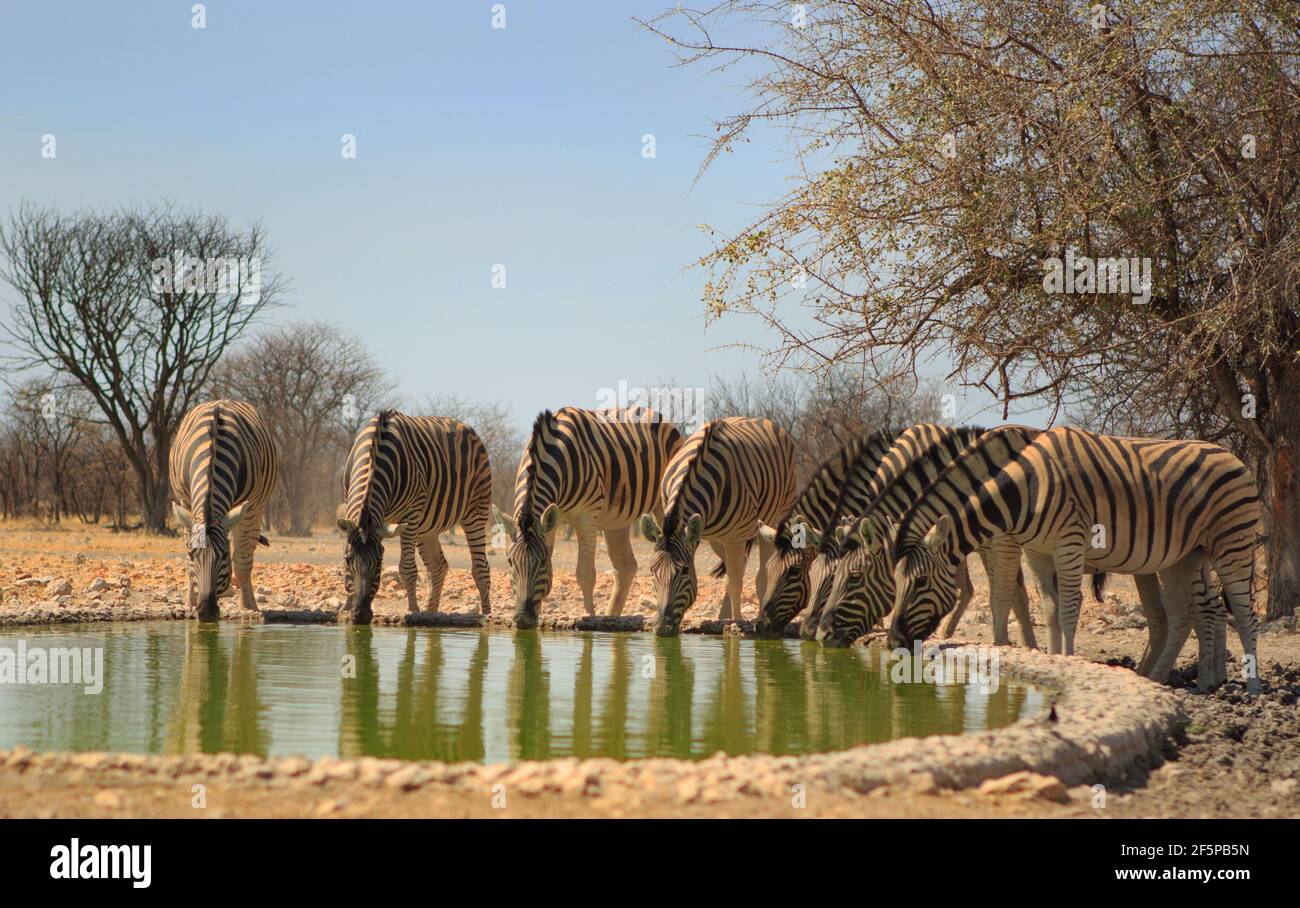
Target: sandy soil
x=1239 y=756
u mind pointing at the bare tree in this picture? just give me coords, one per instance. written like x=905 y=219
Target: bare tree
x=314 y=385
x=51 y=423
x=954 y=161
x=136 y=306
x=824 y=413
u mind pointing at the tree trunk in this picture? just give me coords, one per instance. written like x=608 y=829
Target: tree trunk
x=1284 y=534
x=155 y=498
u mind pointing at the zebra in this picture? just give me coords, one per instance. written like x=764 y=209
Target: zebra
x=856 y=595
x=598 y=470
x=797 y=538
x=222 y=468
x=1075 y=499
x=413 y=477
x=862 y=588
x=731 y=476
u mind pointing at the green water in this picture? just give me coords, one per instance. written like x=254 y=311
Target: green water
x=489 y=696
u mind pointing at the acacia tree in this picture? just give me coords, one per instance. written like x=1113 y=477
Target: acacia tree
x=136 y=306
x=954 y=159
x=314 y=385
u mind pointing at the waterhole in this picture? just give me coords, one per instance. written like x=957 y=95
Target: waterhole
x=467 y=694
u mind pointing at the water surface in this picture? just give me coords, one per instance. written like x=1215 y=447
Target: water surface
x=469 y=694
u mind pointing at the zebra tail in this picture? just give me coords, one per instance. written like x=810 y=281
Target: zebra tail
x=1098 y=585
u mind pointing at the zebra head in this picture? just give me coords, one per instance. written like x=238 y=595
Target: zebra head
x=925 y=583
x=862 y=585
x=363 y=560
x=787 y=577
x=530 y=560
x=673 y=567
x=208 y=549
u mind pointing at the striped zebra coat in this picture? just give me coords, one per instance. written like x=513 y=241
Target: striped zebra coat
x=413 y=477
x=728 y=479
x=223 y=469
x=597 y=469
x=793 y=570
x=861 y=581
x=1130 y=505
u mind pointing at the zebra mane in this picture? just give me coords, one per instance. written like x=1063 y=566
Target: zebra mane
x=673 y=518
x=975 y=448
x=784 y=536
x=968 y=436
x=382 y=420
x=886 y=437
x=545 y=422
x=214 y=435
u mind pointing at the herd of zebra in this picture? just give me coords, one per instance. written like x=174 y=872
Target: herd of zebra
x=884 y=527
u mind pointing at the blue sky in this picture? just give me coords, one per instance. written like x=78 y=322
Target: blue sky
x=475 y=147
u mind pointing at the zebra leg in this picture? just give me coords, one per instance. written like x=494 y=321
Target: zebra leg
x=618 y=542
x=1153 y=609
x=1020 y=608
x=1069 y=589
x=965 y=592
x=1220 y=633
x=1003 y=567
x=475 y=530
x=1043 y=567
x=246 y=535
x=726 y=597
x=733 y=556
x=587 y=562
x=1236 y=571
x=1205 y=615
x=1176 y=587
x=765 y=550
x=435 y=562
x=407 y=570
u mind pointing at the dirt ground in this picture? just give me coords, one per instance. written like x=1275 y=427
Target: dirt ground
x=1239 y=756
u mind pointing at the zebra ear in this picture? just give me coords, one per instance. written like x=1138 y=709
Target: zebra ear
x=650 y=528
x=866 y=531
x=183 y=517
x=262 y=540
x=231 y=520
x=812 y=535
x=939 y=540
x=388 y=531
x=766 y=534
x=550 y=517
x=341 y=520
x=506 y=521
x=694 y=529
